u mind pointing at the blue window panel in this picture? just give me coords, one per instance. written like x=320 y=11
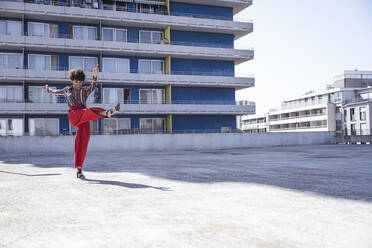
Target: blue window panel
x=202 y=123
x=204 y=11
x=202 y=39
x=202 y=67
x=203 y=95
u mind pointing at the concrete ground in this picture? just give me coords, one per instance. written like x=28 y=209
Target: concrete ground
x=303 y=196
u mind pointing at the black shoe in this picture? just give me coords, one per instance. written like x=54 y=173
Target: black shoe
x=110 y=113
x=117 y=107
x=79 y=174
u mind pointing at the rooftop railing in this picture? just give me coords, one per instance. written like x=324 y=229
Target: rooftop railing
x=303 y=104
x=123 y=132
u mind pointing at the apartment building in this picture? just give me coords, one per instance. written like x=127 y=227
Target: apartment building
x=344 y=108
x=358 y=114
x=170 y=63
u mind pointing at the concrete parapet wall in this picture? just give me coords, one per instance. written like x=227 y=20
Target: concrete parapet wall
x=161 y=142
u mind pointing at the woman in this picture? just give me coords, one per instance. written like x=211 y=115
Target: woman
x=78 y=114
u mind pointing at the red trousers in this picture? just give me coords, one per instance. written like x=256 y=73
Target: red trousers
x=80 y=117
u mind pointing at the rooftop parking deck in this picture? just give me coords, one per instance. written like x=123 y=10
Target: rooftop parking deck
x=294 y=196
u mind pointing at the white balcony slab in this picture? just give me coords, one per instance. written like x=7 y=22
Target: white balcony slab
x=109 y=17
x=33 y=43
x=195 y=109
x=19 y=75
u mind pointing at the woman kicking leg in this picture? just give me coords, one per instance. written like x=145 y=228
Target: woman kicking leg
x=79 y=115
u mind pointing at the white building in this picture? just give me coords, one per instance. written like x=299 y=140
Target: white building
x=343 y=107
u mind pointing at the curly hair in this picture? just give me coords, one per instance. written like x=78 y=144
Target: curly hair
x=77 y=74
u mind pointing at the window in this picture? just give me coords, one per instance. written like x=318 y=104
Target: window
x=352 y=114
x=150 y=9
x=153 y=37
x=37 y=95
x=43 y=126
x=116 y=125
x=42 y=29
x=152 y=125
x=10 y=27
x=11 y=61
x=362 y=113
x=345 y=117
x=152 y=96
x=146 y=8
x=121 y=6
x=108 y=5
x=114 y=34
x=116 y=65
x=112 y=95
x=151 y=66
x=352 y=129
x=11 y=94
x=363 y=129
x=83 y=3
x=84 y=33
x=43 y=62
x=86 y=63
x=94 y=127
x=11 y=127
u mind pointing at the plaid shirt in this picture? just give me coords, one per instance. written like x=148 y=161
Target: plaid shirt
x=78 y=97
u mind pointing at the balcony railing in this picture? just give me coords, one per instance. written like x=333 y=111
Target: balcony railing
x=62 y=100
x=296 y=128
x=297 y=117
x=138 y=41
x=129 y=8
x=131 y=71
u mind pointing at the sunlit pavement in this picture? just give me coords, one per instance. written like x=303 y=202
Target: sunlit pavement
x=303 y=196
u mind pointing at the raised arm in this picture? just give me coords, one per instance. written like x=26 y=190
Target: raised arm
x=93 y=85
x=60 y=92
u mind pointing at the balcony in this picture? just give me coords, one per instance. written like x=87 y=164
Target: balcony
x=63 y=44
x=299 y=118
x=184 y=78
x=135 y=107
x=159 y=20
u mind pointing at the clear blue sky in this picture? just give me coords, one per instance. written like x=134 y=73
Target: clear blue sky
x=299 y=46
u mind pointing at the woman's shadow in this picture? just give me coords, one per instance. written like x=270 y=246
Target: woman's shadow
x=126 y=185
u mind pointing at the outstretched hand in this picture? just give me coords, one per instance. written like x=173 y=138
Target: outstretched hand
x=45 y=87
x=95 y=71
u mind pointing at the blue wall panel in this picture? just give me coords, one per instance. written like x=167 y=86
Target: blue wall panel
x=202 y=39
x=202 y=123
x=197 y=10
x=202 y=67
x=203 y=95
